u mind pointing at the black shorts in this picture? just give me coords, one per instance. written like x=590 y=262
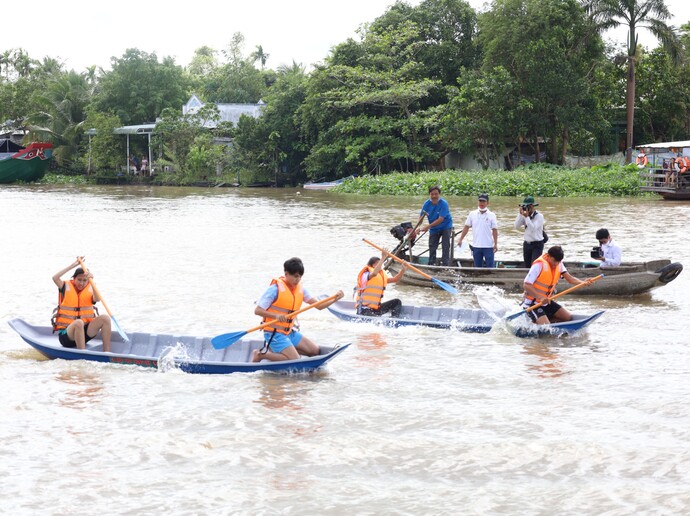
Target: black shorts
x=67 y=342
x=548 y=310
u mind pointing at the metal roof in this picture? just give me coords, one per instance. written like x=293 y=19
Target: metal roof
x=665 y=145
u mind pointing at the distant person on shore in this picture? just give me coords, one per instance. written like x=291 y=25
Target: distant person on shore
x=440 y=225
x=144 y=166
x=610 y=254
x=641 y=159
x=371 y=284
x=484 y=233
x=75 y=317
x=540 y=283
x=533 y=222
x=284 y=296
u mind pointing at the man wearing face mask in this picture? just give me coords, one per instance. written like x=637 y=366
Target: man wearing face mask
x=610 y=254
x=533 y=222
x=485 y=233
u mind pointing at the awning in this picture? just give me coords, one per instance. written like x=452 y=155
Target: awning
x=665 y=145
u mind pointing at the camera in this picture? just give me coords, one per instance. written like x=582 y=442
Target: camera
x=596 y=252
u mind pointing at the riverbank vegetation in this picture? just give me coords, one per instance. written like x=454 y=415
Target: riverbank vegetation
x=536 y=180
x=421 y=84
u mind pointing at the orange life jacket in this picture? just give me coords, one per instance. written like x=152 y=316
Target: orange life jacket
x=73 y=305
x=547 y=279
x=288 y=301
x=370 y=296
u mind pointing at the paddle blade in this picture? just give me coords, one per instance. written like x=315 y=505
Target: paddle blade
x=515 y=315
x=445 y=286
x=119 y=329
x=227 y=339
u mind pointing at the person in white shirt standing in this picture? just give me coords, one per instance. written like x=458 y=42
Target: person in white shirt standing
x=484 y=233
x=610 y=254
x=533 y=222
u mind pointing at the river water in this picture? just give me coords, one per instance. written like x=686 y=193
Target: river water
x=406 y=421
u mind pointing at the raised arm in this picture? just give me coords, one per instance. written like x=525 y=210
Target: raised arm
x=57 y=277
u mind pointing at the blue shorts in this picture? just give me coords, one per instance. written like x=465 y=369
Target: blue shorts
x=281 y=341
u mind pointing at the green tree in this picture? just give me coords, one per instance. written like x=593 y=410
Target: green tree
x=260 y=55
x=102 y=150
x=139 y=88
x=635 y=14
x=61 y=111
x=551 y=52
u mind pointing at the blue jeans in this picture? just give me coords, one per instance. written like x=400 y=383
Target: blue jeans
x=483 y=257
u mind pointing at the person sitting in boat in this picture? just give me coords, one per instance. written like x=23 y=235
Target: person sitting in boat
x=540 y=283
x=75 y=318
x=641 y=159
x=371 y=284
x=610 y=254
x=284 y=296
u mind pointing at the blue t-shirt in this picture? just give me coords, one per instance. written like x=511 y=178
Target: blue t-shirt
x=441 y=209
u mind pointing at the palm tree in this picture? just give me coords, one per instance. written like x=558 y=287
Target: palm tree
x=260 y=55
x=636 y=14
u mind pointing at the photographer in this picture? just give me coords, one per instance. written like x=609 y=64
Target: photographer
x=608 y=252
x=533 y=222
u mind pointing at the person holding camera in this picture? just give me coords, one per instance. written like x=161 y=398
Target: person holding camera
x=533 y=222
x=608 y=252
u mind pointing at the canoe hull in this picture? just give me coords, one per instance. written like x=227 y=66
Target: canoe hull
x=162 y=351
x=628 y=279
x=462 y=319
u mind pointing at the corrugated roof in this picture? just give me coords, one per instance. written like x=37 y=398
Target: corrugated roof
x=665 y=145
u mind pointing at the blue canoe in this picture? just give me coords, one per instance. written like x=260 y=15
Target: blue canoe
x=461 y=319
x=189 y=354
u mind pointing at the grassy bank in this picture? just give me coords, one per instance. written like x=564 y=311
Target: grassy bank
x=537 y=180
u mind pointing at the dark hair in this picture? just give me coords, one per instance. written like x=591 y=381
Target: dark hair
x=294 y=266
x=556 y=252
x=602 y=233
x=435 y=187
x=373 y=260
x=77 y=272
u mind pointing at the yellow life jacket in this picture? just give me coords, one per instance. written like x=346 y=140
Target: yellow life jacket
x=370 y=296
x=288 y=301
x=73 y=305
x=547 y=279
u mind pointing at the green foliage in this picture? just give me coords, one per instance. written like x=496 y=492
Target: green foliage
x=537 y=180
x=139 y=88
x=104 y=151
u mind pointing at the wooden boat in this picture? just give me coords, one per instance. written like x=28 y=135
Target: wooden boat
x=320 y=184
x=653 y=177
x=189 y=354
x=461 y=319
x=627 y=279
x=26 y=164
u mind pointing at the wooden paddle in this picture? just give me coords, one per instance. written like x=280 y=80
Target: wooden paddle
x=227 y=339
x=547 y=300
x=100 y=298
x=444 y=286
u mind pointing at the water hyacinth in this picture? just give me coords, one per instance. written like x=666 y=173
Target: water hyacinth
x=539 y=180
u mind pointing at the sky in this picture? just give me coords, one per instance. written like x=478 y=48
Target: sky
x=82 y=33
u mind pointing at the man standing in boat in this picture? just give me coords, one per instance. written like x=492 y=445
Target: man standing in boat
x=371 y=284
x=485 y=233
x=75 y=319
x=284 y=296
x=440 y=225
x=533 y=222
x=540 y=284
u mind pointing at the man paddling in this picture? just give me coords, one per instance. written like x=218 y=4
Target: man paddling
x=75 y=318
x=284 y=296
x=540 y=284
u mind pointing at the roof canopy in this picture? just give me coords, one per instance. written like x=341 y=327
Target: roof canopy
x=665 y=145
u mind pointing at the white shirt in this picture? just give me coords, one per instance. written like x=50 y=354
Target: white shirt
x=534 y=226
x=612 y=254
x=482 y=225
